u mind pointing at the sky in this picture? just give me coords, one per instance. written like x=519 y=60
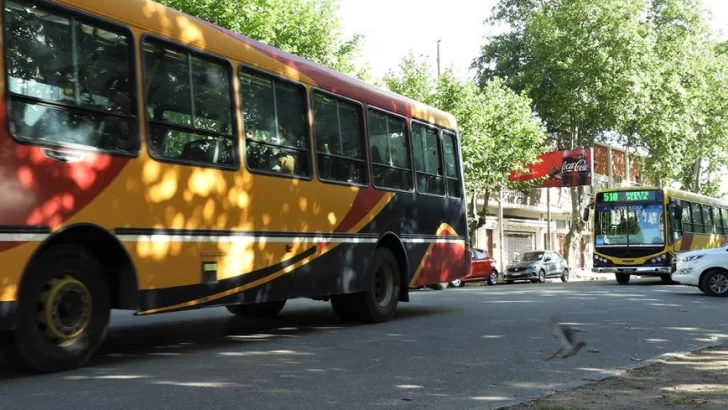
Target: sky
x=393 y=27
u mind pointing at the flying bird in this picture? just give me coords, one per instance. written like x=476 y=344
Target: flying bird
x=564 y=335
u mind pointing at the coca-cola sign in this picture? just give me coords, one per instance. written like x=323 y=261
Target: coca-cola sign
x=560 y=168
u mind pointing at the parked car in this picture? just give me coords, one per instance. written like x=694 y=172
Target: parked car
x=482 y=268
x=537 y=266
x=705 y=269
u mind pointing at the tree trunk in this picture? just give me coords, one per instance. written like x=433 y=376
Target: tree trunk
x=578 y=228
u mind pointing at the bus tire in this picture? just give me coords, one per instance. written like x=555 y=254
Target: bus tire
x=258 y=310
x=379 y=302
x=63 y=311
x=622 y=278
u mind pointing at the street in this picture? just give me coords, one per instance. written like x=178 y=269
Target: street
x=468 y=348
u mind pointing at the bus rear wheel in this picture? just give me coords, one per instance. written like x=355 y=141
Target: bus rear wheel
x=622 y=278
x=63 y=312
x=258 y=310
x=378 y=303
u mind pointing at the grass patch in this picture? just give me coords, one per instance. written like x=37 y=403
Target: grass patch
x=554 y=407
x=674 y=399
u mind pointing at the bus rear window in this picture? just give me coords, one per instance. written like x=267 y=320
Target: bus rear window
x=70 y=80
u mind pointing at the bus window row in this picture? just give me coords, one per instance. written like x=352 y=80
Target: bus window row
x=704 y=219
x=72 y=81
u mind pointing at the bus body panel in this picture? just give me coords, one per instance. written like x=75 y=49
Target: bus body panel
x=198 y=236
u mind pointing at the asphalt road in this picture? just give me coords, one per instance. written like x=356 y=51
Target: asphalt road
x=468 y=348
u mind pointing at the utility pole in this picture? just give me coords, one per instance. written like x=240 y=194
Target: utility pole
x=438 y=58
x=501 y=239
x=548 y=218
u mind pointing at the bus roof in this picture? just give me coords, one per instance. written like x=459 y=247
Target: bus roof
x=150 y=16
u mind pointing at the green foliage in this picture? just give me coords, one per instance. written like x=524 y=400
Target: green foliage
x=649 y=71
x=307 y=28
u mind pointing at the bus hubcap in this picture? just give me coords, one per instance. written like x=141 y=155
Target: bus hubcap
x=719 y=283
x=66 y=309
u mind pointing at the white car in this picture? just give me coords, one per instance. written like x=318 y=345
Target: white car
x=707 y=269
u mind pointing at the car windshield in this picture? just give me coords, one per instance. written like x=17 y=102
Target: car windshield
x=630 y=225
x=531 y=256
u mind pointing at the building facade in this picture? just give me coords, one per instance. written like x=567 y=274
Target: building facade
x=525 y=213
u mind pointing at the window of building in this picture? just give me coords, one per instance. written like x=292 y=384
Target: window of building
x=389 y=151
x=275 y=124
x=70 y=79
x=338 y=130
x=426 y=151
x=188 y=100
x=450 y=148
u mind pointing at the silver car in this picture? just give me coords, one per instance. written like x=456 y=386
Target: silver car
x=537 y=266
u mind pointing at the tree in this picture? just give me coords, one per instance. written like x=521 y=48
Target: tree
x=307 y=28
x=413 y=79
x=682 y=124
x=582 y=63
x=498 y=130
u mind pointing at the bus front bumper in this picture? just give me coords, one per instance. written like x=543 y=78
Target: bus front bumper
x=637 y=270
x=7 y=316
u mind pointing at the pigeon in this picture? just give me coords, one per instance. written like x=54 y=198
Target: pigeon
x=564 y=335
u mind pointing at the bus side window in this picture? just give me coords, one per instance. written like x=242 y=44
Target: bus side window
x=720 y=220
x=697 y=212
x=687 y=217
x=450 y=151
x=426 y=150
x=275 y=123
x=190 y=106
x=390 y=154
x=70 y=80
x=708 y=219
x=338 y=128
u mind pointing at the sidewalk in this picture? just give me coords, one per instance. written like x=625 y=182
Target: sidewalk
x=697 y=380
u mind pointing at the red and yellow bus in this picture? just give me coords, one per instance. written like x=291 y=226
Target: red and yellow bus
x=154 y=162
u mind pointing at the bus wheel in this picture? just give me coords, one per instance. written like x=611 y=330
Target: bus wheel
x=379 y=302
x=622 y=278
x=259 y=310
x=63 y=311
x=715 y=283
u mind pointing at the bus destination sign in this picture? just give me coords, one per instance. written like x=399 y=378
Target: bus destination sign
x=631 y=196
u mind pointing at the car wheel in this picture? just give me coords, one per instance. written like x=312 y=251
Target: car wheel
x=565 y=276
x=457 y=283
x=542 y=276
x=715 y=283
x=493 y=278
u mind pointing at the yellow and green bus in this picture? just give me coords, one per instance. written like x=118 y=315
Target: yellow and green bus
x=154 y=162
x=639 y=230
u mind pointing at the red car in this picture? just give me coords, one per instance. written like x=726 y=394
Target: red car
x=482 y=268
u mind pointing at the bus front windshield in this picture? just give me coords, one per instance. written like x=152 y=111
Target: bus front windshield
x=630 y=225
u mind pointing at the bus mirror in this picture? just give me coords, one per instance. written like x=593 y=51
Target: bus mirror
x=585 y=215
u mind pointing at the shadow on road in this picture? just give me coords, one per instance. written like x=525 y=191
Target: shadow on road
x=157 y=340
